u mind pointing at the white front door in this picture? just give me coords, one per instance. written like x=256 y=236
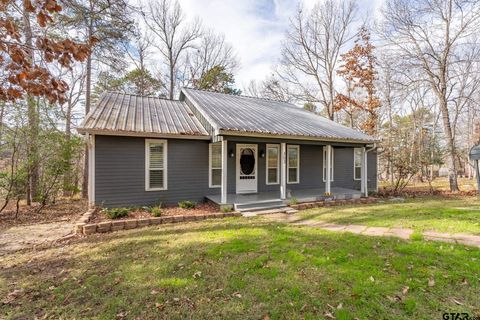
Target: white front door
x=246 y=168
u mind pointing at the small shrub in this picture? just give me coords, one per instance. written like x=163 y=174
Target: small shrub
x=293 y=201
x=115 y=213
x=187 y=204
x=226 y=208
x=156 y=211
x=147 y=209
x=416 y=236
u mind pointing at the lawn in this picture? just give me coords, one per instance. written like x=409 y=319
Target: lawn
x=241 y=269
x=451 y=215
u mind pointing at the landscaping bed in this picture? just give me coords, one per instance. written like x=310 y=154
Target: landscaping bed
x=115 y=219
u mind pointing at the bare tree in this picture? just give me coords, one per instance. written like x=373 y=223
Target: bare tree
x=270 y=88
x=430 y=36
x=211 y=51
x=311 y=50
x=174 y=36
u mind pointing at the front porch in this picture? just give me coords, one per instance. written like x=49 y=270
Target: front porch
x=272 y=197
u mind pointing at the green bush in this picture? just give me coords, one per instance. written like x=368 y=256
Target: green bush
x=226 y=208
x=293 y=201
x=187 y=204
x=115 y=213
x=156 y=211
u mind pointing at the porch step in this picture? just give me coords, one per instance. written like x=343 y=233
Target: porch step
x=259 y=205
x=263 y=212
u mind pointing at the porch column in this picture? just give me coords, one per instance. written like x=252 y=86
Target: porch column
x=328 y=169
x=477 y=174
x=363 y=175
x=283 y=171
x=224 y=171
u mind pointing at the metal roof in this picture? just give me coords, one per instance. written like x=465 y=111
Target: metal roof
x=241 y=114
x=117 y=113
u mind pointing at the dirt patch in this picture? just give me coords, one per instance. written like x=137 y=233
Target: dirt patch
x=66 y=210
x=202 y=208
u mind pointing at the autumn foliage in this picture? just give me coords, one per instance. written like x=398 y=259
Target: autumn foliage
x=25 y=52
x=358 y=71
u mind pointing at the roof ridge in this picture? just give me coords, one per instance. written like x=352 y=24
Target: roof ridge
x=139 y=95
x=239 y=95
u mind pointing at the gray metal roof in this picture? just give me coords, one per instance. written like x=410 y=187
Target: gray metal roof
x=117 y=113
x=241 y=114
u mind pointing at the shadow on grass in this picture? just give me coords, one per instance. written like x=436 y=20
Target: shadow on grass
x=242 y=269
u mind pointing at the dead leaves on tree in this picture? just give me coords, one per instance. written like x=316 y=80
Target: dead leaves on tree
x=25 y=64
x=358 y=71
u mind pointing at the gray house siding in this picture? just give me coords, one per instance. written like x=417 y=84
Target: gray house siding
x=311 y=167
x=120 y=172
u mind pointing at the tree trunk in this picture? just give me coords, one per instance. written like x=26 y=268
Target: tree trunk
x=452 y=169
x=67 y=179
x=87 y=110
x=32 y=114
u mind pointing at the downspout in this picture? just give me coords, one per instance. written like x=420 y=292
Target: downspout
x=366 y=168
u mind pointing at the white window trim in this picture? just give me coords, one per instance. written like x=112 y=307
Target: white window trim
x=277 y=146
x=354 y=166
x=147 y=164
x=298 y=164
x=325 y=164
x=210 y=185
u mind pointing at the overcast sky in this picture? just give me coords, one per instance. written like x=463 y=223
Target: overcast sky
x=255 y=28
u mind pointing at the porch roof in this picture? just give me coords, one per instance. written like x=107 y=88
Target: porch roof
x=243 y=115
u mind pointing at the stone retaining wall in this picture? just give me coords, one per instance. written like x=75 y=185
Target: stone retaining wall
x=329 y=203
x=86 y=228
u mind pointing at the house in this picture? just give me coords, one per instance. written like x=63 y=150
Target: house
x=233 y=150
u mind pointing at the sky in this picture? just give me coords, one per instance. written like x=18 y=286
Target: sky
x=255 y=28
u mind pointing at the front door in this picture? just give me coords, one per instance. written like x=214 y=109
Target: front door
x=246 y=168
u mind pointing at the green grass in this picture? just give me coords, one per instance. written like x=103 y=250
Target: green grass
x=241 y=269
x=452 y=215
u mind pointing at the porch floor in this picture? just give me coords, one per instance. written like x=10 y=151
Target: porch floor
x=303 y=195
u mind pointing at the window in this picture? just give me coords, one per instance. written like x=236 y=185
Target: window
x=357 y=163
x=215 y=164
x=155 y=165
x=273 y=163
x=293 y=164
x=325 y=164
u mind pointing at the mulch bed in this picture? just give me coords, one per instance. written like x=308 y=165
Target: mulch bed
x=202 y=208
x=413 y=193
x=62 y=210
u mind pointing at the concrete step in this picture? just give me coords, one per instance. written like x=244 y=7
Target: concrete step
x=259 y=205
x=263 y=212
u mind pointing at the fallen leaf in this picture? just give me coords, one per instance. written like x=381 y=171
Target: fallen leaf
x=372 y=279
x=457 y=302
x=153 y=292
x=405 y=289
x=303 y=307
x=122 y=315
x=197 y=274
x=237 y=294
x=431 y=282
x=328 y=315
x=266 y=317
x=159 y=306
x=340 y=306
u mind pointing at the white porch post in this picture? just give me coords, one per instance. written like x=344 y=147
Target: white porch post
x=363 y=174
x=328 y=169
x=224 y=171
x=91 y=169
x=477 y=174
x=283 y=171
